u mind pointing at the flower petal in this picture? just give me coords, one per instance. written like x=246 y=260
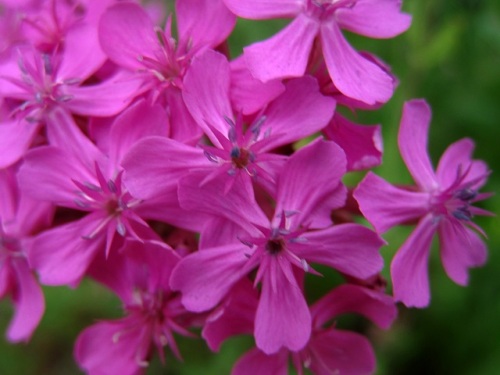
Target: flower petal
x=385 y=205
x=234 y=317
x=115 y=347
x=353 y=75
x=412 y=141
x=374 y=18
x=349 y=248
x=154 y=165
x=376 y=306
x=15 y=140
x=248 y=94
x=82 y=55
x=458 y=158
x=29 y=302
x=47 y=174
x=283 y=318
x=137 y=122
x=196 y=26
x=237 y=205
x=205 y=277
x=107 y=98
x=206 y=93
x=308 y=178
x=126 y=32
x=285 y=54
x=265 y=9
x=461 y=249
x=297 y=113
x=409 y=267
x=61 y=256
x=341 y=352
x=256 y=362
x=362 y=144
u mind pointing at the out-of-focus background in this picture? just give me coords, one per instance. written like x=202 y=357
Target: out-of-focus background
x=451 y=57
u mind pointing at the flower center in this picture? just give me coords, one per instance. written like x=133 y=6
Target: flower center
x=240 y=157
x=275 y=246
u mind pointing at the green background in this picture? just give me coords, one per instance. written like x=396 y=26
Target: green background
x=451 y=57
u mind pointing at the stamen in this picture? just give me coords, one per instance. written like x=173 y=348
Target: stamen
x=64 y=98
x=47 y=66
x=112 y=186
x=81 y=203
x=211 y=157
x=255 y=129
x=466 y=194
x=305 y=266
x=462 y=213
x=235 y=152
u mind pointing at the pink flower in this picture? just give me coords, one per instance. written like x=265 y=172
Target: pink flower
x=286 y=54
x=77 y=175
x=298 y=112
x=131 y=40
x=139 y=275
x=44 y=82
x=282 y=248
x=442 y=203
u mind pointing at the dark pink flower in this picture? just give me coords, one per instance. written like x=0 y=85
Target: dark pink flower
x=442 y=202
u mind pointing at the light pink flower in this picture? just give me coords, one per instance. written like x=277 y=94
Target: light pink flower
x=442 y=202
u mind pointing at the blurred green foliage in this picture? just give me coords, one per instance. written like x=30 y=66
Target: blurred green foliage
x=451 y=57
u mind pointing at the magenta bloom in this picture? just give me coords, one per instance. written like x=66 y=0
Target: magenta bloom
x=280 y=249
x=78 y=175
x=243 y=151
x=286 y=54
x=442 y=203
x=131 y=40
x=153 y=313
x=43 y=81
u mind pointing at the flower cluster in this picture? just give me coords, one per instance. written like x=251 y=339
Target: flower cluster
x=204 y=190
